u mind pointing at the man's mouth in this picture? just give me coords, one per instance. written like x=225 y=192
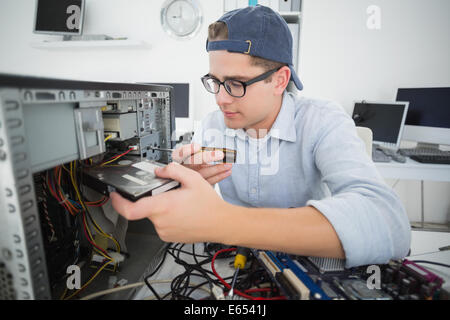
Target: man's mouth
x=230 y=114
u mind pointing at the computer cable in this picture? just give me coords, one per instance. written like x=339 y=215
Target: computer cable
x=431 y=262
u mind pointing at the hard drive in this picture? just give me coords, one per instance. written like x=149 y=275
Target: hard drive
x=133 y=179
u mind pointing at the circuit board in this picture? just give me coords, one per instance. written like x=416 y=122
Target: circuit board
x=307 y=278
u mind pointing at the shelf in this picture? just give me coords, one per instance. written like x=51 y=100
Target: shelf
x=291 y=16
x=89 y=44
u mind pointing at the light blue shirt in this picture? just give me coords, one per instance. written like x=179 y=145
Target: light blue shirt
x=312 y=156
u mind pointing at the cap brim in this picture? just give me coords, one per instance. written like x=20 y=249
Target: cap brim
x=295 y=78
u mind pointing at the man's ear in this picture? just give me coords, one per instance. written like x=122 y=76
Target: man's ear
x=281 y=79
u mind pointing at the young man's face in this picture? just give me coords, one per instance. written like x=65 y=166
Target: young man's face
x=257 y=108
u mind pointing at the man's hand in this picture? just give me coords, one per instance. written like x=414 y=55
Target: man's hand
x=192 y=213
x=190 y=157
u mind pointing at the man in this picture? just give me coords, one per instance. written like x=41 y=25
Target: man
x=302 y=183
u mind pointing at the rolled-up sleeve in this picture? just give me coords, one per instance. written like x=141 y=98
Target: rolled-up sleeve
x=365 y=212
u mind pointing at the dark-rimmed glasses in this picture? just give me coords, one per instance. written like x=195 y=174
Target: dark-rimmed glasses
x=235 y=88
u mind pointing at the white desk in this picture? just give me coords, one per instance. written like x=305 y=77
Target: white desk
x=413 y=170
x=425 y=242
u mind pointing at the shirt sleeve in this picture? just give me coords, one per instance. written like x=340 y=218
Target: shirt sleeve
x=365 y=212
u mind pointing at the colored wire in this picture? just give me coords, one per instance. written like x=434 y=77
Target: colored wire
x=96 y=226
x=242 y=294
x=108 y=137
x=91 y=239
x=90 y=280
x=431 y=262
x=116 y=157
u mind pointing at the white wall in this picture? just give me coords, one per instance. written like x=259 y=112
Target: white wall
x=340 y=58
x=168 y=60
x=343 y=60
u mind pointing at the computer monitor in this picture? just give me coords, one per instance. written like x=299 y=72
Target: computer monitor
x=385 y=119
x=59 y=17
x=428 y=119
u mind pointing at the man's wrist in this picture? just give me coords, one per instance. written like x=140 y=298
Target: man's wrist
x=230 y=223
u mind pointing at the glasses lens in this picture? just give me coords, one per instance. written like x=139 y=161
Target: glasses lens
x=211 y=85
x=235 y=88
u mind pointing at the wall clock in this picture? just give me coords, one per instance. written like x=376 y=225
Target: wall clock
x=181 y=19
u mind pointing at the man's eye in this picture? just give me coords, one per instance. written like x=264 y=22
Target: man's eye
x=234 y=84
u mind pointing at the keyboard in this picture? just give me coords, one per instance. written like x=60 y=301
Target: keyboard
x=437 y=159
x=423 y=152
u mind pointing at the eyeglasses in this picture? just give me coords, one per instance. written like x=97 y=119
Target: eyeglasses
x=235 y=88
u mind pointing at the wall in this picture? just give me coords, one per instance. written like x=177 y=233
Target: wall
x=340 y=58
x=167 y=60
x=343 y=60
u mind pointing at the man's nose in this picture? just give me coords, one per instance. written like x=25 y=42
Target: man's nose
x=223 y=97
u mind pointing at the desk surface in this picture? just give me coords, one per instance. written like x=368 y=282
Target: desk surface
x=413 y=170
x=424 y=242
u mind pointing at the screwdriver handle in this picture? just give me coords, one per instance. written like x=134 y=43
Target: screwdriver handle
x=241 y=257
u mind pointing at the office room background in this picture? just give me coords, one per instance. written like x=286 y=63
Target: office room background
x=340 y=58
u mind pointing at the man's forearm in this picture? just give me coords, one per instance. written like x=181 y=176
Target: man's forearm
x=302 y=231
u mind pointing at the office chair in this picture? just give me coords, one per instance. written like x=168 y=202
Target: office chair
x=367 y=137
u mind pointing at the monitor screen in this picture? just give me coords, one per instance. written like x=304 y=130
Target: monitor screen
x=59 y=17
x=429 y=107
x=428 y=119
x=384 y=119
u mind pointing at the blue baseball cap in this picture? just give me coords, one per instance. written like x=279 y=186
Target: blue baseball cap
x=258 y=31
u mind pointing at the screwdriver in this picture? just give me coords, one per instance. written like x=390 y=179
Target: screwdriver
x=229 y=155
x=239 y=263
x=162 y=149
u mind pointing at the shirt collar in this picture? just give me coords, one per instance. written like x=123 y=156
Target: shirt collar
x=283 y=127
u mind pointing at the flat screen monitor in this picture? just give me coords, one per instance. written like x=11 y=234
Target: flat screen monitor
x=385 y=119
x=428 y=118
x=59 y=17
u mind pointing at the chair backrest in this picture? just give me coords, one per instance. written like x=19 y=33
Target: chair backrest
x=367 y=137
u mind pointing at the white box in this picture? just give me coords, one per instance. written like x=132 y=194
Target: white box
x=284 y=5
x=229 y=5
x=296 y=5
x=274 y=5
x=242 y=4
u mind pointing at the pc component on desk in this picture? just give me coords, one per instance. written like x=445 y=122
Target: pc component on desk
x=184 y=116
x=435 y=159
x=59 y=17
x=427 y=123
x=428 y=119
x=311 y=278
x=386 y=120
x=56 y=138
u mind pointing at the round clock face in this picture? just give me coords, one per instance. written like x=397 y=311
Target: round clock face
x=181 y=18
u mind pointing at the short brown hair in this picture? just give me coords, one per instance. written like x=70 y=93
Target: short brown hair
x=219 y=31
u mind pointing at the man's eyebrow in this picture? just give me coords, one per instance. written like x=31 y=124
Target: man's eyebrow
x=236 y=77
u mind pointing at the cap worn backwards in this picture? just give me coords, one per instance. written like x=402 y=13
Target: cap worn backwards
x=258 y=31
